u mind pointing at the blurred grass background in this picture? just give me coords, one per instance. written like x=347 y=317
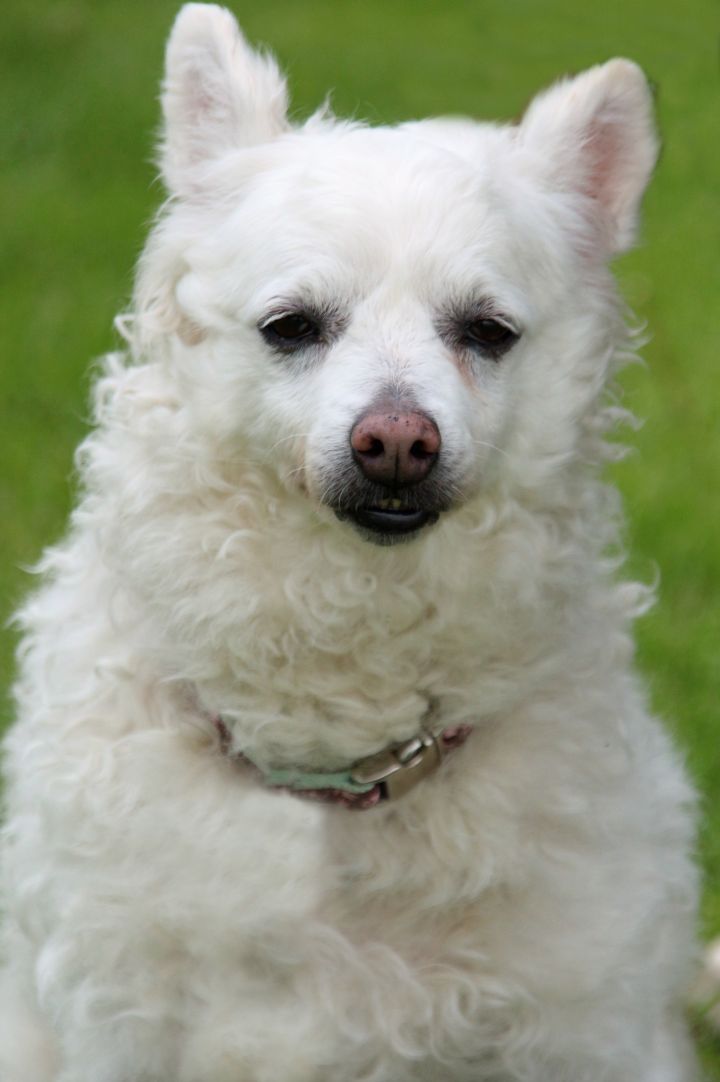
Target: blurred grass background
x=78 y=108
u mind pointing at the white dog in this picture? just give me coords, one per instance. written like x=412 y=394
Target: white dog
x=331 y=764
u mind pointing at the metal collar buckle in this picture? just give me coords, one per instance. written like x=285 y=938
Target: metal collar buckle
x=399 y=768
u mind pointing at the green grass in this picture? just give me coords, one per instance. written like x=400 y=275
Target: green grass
x=77 y=113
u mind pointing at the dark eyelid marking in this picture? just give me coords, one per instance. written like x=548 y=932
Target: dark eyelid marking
x=323 y=324
x=324 y=315
x=478 y=326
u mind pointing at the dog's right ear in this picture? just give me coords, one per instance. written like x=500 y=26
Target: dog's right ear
x=218 y=94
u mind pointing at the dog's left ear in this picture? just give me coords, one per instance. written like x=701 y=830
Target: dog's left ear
x=594 y=135
x=218 y=94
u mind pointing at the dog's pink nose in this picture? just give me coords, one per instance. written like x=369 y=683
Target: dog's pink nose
x=394 y=447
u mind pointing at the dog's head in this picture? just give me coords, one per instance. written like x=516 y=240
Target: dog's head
x=391 y=321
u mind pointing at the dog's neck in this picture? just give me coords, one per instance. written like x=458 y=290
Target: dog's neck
x=341 y=657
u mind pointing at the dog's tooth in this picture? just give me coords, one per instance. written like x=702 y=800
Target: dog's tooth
x=396 y=504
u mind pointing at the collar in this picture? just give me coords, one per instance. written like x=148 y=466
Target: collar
x=385 y=775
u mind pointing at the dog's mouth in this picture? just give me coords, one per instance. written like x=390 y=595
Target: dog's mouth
x=390 y=518
x=389 y=514
x=387 y=520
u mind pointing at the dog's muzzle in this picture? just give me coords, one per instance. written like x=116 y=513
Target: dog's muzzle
x=393 y=482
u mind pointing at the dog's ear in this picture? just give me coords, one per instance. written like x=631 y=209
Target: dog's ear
x=218 y=94
x=594 y=135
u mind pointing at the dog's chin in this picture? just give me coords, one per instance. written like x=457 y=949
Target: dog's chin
x=384 y=525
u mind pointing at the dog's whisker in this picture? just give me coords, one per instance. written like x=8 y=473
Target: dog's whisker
x=288 y=439
x=490 y=446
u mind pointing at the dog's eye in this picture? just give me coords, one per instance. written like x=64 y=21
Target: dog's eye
x=490 y=335
x=291 y=330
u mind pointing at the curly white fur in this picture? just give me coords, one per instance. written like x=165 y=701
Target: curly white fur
x=525 y=915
